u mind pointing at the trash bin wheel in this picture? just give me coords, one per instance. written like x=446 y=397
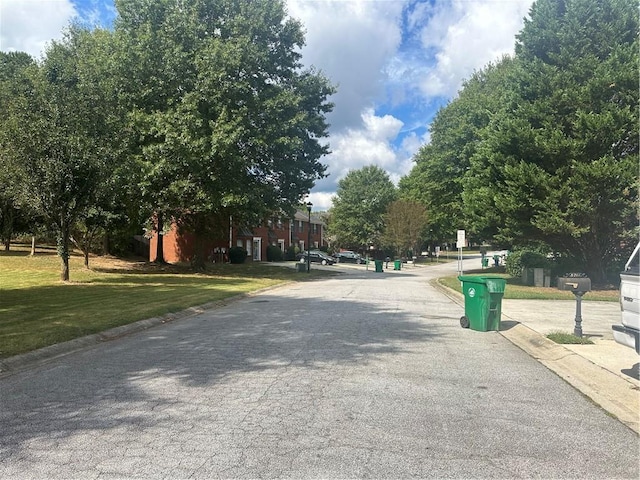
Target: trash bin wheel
x=464 y=321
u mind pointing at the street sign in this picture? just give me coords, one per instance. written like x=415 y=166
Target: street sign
x=461 y=240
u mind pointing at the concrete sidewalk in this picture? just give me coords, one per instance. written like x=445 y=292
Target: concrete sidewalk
x=606 y=371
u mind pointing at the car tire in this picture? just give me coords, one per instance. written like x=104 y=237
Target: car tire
x=324 y=262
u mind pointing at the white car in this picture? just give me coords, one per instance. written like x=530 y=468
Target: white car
x=628 y=333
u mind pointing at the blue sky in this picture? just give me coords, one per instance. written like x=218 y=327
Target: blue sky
x=395 y=63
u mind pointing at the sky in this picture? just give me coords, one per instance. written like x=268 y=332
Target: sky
x=395 y=63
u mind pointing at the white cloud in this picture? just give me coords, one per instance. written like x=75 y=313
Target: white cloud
x=29 y=25
x=402 y=54
x=477 y=32
x=322 y=201
x=350 y=41
x=353 y=149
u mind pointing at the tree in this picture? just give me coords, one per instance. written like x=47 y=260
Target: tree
x=542 y=148
x=440 y=168
x=361 y=200
x=57 y=136
x=13 y=72
x=559 y=162
x=405 y=222
x=224 y=121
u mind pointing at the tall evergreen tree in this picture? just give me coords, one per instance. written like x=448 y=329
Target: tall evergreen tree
x=560 y=161
x=436 y=180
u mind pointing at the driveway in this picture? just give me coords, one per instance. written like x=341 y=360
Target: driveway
x=362 y=375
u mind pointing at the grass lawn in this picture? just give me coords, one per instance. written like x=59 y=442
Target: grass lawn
x=37 y=309
x=515 y=289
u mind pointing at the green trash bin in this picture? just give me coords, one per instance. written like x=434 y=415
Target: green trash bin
x=485 y=262
x=378 y=265
x=482 y=302
x=397 y=264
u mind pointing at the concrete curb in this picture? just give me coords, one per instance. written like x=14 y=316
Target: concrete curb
x=612 y=393
x=615 y=395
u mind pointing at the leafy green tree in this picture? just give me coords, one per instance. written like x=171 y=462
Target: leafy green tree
x=359 y=206
x=405 y=223
x=57 y=136
x=13 y=74
x=559 y=163
x=224 y=121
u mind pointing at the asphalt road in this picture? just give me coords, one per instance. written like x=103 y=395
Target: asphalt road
x=366 y=375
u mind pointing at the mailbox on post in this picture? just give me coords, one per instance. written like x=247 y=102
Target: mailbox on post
x=575 y=284
x=579 y=284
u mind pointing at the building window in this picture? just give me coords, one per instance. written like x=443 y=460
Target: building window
x=280 y=223
x=300 y=226
x=315 y=228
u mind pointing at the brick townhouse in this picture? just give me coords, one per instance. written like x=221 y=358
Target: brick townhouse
x=273 y=231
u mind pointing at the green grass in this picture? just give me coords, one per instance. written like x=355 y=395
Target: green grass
x=568 y=339
x=515 y=289
x=37 y=309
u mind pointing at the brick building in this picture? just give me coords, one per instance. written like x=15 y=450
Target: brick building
x=274 y=231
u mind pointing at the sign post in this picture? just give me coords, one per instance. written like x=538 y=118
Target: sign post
x=460 y=243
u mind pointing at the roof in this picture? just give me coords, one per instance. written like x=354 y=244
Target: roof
x=304 y=216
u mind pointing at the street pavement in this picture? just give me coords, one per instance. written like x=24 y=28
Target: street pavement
x=362 y=375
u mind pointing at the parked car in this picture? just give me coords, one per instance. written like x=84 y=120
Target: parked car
x=316 y=256
x=348 y=256
x=628 y=332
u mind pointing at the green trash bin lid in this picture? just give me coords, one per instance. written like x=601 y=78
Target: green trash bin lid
x=471 y=278
x=495 y=284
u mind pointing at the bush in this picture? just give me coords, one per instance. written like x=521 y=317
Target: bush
x=274 y=254
x=237 y=255
x=292 y=251
x=518 y=260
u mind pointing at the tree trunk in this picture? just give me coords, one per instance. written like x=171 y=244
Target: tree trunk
x=105 y=243
x=63 y=252
x=8 y=215
x=160 y=246
x=33 y=245
x=86 y=258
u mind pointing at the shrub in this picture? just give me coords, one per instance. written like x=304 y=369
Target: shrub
x=518 y=260
x=237 y=255
x=292 y=251
x=274 y=254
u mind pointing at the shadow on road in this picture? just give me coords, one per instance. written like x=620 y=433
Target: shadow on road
x=128 y=383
